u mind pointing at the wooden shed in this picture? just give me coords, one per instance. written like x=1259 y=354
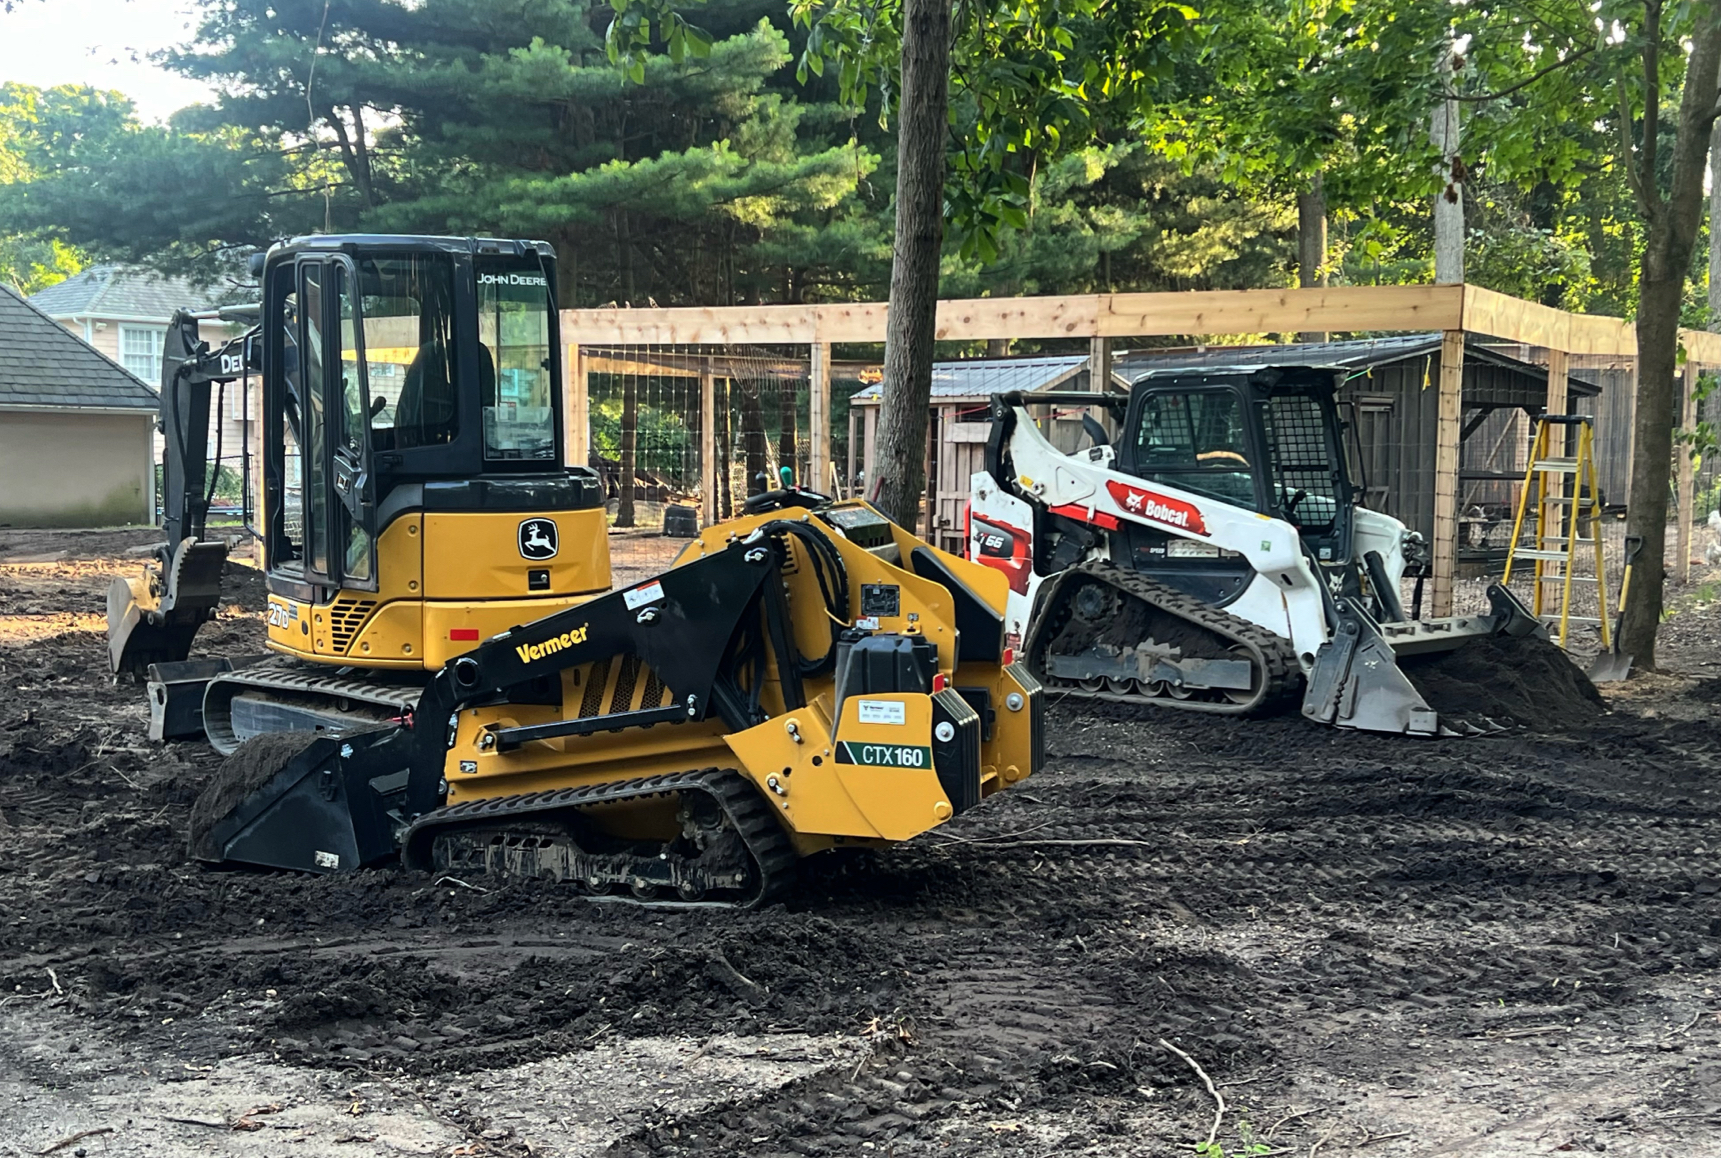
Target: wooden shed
x=957 y=429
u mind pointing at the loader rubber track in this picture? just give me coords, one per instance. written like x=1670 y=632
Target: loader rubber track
x=513 y=829
x=1274 y=659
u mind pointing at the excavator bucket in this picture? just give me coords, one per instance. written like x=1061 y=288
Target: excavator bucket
x=153 y=618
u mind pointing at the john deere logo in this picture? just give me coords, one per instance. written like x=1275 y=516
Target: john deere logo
x=538 y=539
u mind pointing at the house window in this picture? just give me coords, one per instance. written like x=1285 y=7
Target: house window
x=140 y=350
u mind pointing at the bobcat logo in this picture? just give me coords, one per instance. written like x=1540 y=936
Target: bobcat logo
x=538 y=539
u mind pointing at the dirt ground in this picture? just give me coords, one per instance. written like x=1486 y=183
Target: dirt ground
x=1503 y=945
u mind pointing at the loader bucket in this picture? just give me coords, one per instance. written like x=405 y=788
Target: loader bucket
x=1356 y=681
x=299 y=801
x=153 y=618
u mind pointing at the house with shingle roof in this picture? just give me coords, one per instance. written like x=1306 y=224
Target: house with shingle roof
x=77 y=431
x=122 y=311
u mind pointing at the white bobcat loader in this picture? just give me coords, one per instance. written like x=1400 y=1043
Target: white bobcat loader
x=1215 y=558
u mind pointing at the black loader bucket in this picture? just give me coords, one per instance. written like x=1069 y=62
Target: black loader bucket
x=296 y=800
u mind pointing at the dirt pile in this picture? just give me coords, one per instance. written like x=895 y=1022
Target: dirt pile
x=246 y=770
x=243 y=587
x=1524 y=681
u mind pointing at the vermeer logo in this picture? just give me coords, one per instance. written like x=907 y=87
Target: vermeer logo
x=538 y=539
x=534 y=651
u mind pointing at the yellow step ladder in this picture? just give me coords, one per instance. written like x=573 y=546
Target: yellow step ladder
x=1550 y=477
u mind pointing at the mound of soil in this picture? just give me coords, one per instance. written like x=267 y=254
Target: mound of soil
x=1525 y=681
x=243 y=587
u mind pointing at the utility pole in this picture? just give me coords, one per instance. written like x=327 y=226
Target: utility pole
x=1443 y=133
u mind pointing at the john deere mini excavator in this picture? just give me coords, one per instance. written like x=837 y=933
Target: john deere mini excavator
x=1215 y=558
x=449 y=689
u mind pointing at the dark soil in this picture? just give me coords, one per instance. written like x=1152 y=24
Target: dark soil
x=250 y=767
x=1525 y=681
x=1418 y=941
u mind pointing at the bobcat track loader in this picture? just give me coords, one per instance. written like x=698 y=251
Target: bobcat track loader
x=1215 y=558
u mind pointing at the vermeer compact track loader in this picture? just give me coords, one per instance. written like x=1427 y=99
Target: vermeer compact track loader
x=450 y=684
x=803 y=678
x=1215 y=558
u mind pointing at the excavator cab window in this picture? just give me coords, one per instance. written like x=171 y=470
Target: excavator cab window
x=516 y=382
x=407 y=301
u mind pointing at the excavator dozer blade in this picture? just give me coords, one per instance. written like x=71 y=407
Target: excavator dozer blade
x=148 y=626
x=300 y=801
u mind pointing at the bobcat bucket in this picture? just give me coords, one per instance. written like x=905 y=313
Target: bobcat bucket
x=305 y=802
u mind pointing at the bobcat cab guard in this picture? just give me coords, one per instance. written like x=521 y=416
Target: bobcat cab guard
x=413 y=497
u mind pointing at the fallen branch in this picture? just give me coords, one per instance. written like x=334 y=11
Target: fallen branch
x=1322 y=1140
x=1371 y=1139
x=78 y=1137
x=198 y=1122
x=1529 y=1031
x=52 y=976
x=458 y=881
x=1290 y=1117
x=1218 y=1098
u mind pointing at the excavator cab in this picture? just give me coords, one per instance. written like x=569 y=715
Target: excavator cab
x=413 y=499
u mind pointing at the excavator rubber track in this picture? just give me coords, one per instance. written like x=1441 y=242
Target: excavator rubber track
x=1276 y=678
x=745 y=860
x=302 y=697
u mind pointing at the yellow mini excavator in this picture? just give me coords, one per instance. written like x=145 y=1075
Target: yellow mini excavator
x=450 y=686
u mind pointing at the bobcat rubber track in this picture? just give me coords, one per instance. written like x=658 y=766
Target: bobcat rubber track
x=1271 y=654
x=767 y=845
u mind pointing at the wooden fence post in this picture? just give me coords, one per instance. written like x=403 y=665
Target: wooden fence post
x=1446 y=440
x=576 y=421
x=819 y=413
x=707 y=442
x=1099 y=364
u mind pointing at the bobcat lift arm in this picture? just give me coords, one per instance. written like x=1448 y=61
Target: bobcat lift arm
x=152 y=618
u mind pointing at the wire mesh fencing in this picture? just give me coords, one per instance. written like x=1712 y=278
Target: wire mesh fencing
x=647 y=406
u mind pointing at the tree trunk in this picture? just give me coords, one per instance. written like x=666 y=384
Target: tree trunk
x=1443 y=131
x=1672 y=224
x=1312 y=244
x=1715 y=228
x=629 y=450
x=899 y=470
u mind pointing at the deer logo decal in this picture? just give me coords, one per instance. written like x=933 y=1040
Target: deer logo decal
x=538 y=539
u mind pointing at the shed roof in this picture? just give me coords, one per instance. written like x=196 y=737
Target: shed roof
x=980 y=378
x=1358 y=355
x=44 y=364
x=118 y=291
